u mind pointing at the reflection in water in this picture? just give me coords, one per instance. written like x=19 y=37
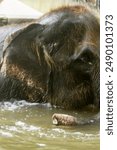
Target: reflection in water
x=29 y=126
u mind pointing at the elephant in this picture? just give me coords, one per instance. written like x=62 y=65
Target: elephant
x=54 y=59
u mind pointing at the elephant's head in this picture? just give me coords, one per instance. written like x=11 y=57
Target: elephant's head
x=57 y=59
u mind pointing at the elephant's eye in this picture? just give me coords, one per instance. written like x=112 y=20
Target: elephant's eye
x=86 y=56
x=83 y=60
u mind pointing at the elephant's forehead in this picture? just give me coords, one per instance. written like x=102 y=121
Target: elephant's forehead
x=59 y=16
x=50 y=19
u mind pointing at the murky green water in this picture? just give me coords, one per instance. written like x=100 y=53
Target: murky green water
x=25 y=126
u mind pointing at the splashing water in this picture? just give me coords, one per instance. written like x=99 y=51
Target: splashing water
x=29 y=126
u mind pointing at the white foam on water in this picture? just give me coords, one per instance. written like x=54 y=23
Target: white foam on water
x=27 y=127
x=11 y=106
x=41 y=145
x=58 y=130
x=15 y=105
x=12 y=128
x=84 y=136
x=18 y=127
x=20 y=123
x=5 y=134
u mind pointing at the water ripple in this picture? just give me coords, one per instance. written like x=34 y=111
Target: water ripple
x=14 y=104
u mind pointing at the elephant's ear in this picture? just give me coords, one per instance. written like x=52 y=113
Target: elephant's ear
x=11 y=37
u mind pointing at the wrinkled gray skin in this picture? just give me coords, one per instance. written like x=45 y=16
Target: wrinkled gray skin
x=54 y=60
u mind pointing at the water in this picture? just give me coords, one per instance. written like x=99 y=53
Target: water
x=29 y=126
